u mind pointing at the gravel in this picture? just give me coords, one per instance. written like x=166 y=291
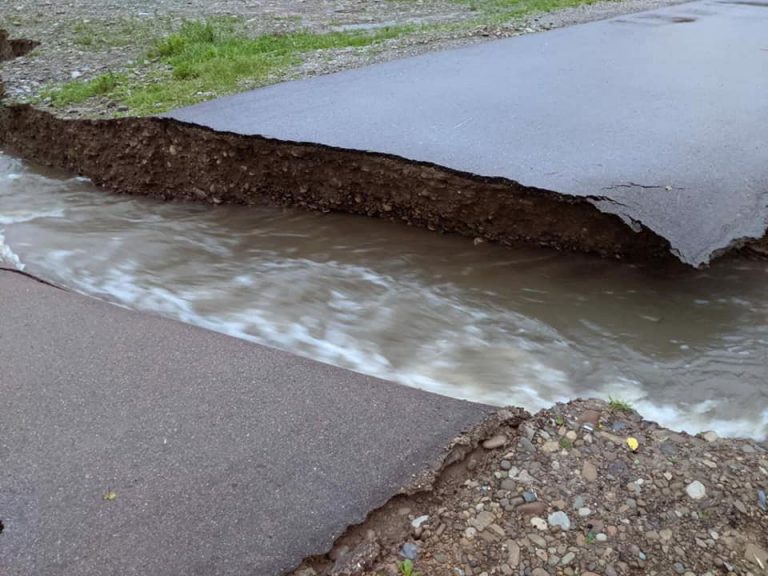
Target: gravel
x=649 y=512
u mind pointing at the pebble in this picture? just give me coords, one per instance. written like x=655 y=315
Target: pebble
x=526 y=445
x=409 y=551
x=513 y=553
x=495 y=442
x=483 y=520
x=532 y=508
x=470 y=533
x=529 y=496
x=539 y=572
x=589 y=471
x=508 y=484
x=757 y=556
x=678 y=567
x=696 y=490
x=710 y=436
x=584 y=512
x=539 y=523
x=567 y=559
x=538 y=540
x=417 y=522
x=601 y=537
x=560 y=519
x=551 y=446
x=505 y=465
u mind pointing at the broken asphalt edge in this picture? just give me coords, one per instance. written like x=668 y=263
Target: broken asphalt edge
x=174 y=160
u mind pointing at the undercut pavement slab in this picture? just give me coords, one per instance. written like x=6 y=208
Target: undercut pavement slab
x=216 y=456
x=662 y=114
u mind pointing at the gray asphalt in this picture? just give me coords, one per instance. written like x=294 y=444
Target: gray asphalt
x=664 y=113
x=225 y=457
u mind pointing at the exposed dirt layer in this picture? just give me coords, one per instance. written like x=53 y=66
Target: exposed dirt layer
x=14 y=48
x=172 y=160
x=563 y=492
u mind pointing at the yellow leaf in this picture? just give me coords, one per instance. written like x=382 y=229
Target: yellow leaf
x=633 y=444
x=111 y=495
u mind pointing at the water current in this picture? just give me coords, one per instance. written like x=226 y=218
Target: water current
x=520 y=326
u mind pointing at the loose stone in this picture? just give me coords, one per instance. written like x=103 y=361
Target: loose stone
x=495 y=442
x=696 y=490
x=559 y=519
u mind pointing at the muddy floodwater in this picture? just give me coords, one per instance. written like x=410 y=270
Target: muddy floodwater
x=503 y=326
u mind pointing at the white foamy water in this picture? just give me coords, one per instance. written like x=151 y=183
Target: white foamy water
x=497 y=325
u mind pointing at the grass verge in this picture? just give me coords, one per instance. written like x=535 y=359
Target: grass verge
x=209 y=58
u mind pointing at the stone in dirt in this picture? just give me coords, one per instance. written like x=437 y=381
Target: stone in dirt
x=495 y=442
x=696 y=490
x=710 y=436
x=513 y=553
x=757 y=555
x=483 y=520
x=589 y=471
x=560 y=519
x=531 y=508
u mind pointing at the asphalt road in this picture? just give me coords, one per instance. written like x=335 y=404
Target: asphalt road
x=224 y=457
x=664 y=113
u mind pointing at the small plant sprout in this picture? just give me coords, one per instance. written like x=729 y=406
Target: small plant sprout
x=406 y=568
x=619 y=405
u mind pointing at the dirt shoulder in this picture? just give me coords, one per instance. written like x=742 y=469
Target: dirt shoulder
x=563 y=493
x=84 y=40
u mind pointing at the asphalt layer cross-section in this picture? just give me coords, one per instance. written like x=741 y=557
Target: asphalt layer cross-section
x=663 y=113
x=222 y=457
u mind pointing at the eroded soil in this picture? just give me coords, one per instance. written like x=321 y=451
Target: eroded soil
x=171 y=160
x=563 y=493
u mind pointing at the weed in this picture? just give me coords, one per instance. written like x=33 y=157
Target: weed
x=619 y=405
x=406 y=568
x=566 y=443
x=78 y=91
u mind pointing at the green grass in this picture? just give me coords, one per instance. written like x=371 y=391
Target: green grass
x=619 y=405
x=566 y=443
x=79 y=91
x=210 y=58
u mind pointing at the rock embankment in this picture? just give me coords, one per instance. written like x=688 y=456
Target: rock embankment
x=565 y=493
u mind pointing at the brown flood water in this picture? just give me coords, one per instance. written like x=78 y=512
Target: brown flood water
x=527 y=327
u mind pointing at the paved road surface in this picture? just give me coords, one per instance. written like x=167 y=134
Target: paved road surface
x=226 y=457
x=664 y=112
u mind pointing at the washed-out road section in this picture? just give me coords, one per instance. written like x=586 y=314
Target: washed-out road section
x=661 y=116
x=133 y=444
